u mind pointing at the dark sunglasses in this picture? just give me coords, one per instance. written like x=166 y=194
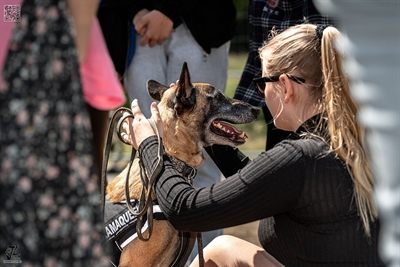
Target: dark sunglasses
x=260 y=82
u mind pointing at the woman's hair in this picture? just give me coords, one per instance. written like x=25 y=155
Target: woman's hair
x=300 y=52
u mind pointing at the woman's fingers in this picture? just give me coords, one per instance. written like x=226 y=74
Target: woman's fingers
x=155 y=115
x=173 y=84
x=127 y=138
x=127 y=129
x=137 y=128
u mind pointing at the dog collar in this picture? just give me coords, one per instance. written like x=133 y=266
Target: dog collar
x=187 y=171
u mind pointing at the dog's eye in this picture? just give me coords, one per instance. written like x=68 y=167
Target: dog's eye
x=219 y=96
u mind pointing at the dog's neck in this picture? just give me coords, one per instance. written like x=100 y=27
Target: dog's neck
x=179 y=143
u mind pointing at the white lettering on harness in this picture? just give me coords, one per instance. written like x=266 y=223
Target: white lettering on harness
x=113 y=227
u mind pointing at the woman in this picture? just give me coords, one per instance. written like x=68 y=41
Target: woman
x=312 y=193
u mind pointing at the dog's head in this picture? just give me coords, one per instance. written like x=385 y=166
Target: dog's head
x=200 y=114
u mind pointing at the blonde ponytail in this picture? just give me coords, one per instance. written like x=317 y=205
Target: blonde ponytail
x=346 y=136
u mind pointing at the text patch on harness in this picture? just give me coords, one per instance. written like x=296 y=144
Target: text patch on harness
x=120 y=223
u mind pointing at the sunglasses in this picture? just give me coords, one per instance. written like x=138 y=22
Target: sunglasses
x=260 y=82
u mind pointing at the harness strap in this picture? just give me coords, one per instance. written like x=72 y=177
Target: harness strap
x=187 y=242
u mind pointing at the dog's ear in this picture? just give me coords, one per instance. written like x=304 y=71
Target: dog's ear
x=185 y=94
x=156 y=89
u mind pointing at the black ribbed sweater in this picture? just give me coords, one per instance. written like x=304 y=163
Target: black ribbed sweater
x=301 y=194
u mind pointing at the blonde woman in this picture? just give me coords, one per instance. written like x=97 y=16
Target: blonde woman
x=312 y=193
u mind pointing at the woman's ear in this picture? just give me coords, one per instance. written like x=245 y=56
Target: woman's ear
x=287 y=87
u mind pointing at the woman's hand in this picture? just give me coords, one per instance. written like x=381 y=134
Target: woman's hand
x=138 y=129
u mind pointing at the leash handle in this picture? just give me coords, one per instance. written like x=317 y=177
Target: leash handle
x=145 y=196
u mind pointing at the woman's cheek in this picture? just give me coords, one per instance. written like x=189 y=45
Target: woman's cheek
x=272 y=101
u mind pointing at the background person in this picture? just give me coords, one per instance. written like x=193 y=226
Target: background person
x=263 y=17
x=48 y=178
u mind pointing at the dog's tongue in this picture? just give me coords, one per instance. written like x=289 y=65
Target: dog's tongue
x=235 y=134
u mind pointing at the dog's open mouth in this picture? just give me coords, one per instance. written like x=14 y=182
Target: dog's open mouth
x=227 y=130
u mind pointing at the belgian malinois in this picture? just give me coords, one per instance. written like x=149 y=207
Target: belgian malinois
x=195 y=115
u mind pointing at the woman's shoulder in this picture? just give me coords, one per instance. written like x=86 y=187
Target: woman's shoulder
x=311 y=148
x=307 y=143
x=316 y=153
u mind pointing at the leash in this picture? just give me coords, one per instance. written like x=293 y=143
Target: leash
x=107 y=151
x=145 y=201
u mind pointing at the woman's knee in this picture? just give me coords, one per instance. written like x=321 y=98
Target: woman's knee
x=226 y=250
x=219 y=251
x=223 y=243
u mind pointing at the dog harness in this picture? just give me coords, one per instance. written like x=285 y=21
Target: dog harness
x=120 y=223
x=120 y=229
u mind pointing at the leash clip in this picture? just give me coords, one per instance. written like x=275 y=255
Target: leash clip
x=192 y=174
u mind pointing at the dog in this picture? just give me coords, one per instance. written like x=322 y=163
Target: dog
x=195 y=115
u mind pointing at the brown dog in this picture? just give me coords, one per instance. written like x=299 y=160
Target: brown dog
x=195 y=115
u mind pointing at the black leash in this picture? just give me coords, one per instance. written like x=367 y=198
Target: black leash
x=107 y=151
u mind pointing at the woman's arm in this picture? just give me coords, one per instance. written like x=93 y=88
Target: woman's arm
x=268 y=185
x=83 y=13
x=228 y=159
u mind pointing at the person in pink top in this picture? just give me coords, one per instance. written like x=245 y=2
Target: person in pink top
x=54 y=66
x=102 y=90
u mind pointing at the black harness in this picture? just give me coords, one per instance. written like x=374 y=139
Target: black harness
x=120 y=229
